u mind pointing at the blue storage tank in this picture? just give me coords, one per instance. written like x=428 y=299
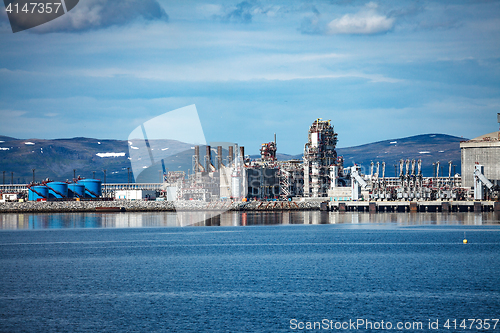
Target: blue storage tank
x=93 y=187
x=38 y=192
x=76 y=191
x=57 y=190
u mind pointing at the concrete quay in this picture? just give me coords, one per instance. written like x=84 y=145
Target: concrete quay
x=151 y=206
x=84 y=206
x=221 y=206
x=414 y=206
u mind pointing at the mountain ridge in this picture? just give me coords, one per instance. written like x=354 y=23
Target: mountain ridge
x=58 y=159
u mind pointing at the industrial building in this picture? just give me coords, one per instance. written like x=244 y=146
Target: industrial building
x=483 y=150
x=321 y=174
x=320 y=159
x=266 y=178
x=135 y=195
x=225 y=173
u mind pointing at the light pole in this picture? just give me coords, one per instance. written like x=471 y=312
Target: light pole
x=128 y=175
x=74 y=173
x=104 y=175
x=93 y=174
x=33 y=175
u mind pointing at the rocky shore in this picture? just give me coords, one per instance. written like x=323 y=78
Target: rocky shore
x=151 y=206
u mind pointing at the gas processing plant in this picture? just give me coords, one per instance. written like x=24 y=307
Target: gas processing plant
x=321 y=174
x=225 y=173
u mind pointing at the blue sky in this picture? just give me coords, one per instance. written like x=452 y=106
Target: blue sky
x=379 y=70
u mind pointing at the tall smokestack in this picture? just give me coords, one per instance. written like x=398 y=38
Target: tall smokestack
x=219 y=157
x=196 y=158
x=209 y=158
x=230 y=155
x=242 y=154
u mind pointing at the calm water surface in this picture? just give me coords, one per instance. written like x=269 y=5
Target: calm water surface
x=182 y=219
x=254 y=272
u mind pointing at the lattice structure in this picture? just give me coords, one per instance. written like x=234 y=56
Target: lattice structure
x=285 y=184
x=319 y=155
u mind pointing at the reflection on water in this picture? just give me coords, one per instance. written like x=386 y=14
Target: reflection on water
x=182 y=219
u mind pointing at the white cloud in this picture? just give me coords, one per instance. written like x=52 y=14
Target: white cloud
x=11 y=113
x=98 y=14
x=270 y=67
x=365 y=22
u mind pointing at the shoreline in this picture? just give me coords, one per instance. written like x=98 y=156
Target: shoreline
x=276 y=206
x=150 y=206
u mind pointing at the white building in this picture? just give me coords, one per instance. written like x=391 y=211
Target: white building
x=8 y=197
x=135 y=194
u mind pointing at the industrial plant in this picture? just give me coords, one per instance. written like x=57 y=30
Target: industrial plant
x=225 y=173
x=322 y=176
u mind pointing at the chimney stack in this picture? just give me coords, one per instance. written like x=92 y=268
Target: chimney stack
x=230 y=155
x=196 y=158
x=219 y=158
x=209 y=158
x=242 y=154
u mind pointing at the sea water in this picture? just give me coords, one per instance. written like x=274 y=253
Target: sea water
x=250 y=272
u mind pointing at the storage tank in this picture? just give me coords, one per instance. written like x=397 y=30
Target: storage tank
x=92 y=187
x=76 y=191
x=57 y=190
x=38 y=192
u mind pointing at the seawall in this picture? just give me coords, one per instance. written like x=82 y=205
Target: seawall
x=150 y=206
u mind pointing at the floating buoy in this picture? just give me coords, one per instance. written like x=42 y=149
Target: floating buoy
x=465 y=241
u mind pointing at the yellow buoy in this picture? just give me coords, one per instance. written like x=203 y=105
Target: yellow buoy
x=465 y=241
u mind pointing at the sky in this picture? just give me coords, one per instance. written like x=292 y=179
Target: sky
x=379 y=70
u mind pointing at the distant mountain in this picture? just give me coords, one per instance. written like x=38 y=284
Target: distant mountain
x=56 y=159
x=430 y=148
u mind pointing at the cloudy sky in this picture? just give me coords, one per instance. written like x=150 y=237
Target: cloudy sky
x=378 y=69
